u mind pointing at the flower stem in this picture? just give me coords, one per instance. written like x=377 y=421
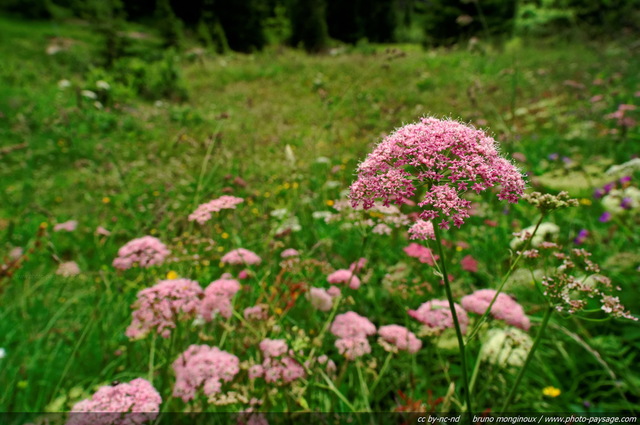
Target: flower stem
x=514 y=388
x=506 y=277
x=382 y=372
x=456 y=323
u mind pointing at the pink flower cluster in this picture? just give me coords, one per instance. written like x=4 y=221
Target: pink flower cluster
x=203 y=366
x=621 y=117
x=202 y=214
x=422 y=253
x=217 y=298
x=436 y=315
x=241 y=256
x=255 y=313
x=396 y=337
x=289 y=252
x=505 y=308
x=160 y=306
x=422 y=229
x=277 y=366
x=352 y=331
x=67 y=226
x=321 y=298
x=346 y=277
x=132 y=403
x=146 y=251
x=445 y=156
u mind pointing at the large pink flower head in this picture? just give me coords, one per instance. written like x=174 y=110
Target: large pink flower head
x=203 y=366
x=505 y=308
x=352 y=331
x=241 y=256
x=447 y=157
x=436 y=315
x=202 y=214
x=217 y=298
x=277 y=366
x=146 y=251
x=159 y=307
x=132 y=403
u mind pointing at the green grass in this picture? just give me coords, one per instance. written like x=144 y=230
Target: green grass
x=139 y=167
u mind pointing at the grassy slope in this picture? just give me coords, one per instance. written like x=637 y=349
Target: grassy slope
x=137 y=171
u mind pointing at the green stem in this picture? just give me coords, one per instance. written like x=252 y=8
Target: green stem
x=483 y=318
x=382 y=372
x=456 y=323
x=543 y=326
x=152 y=357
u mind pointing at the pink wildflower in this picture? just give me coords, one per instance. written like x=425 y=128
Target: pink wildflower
x=351 y=324
x=68 y=226
x=399 y=338
x=217 y=298
x=320 y=299
x=146 y=251
x=68 y=269
x=273 y=347
x=256 y=371
x=202 y=214
x=357 y=266
x=255 y=313
x=422 y=253
x=102 y=231
x=276 y=365
x=241 y=256
x=203 y=366
x=469 y=264
x=352 y=331
x=505 y=308
x=344 y=276
x=159 y=307
x=353 y=347
x=131 y=403
x=333 y=291
x=436 y=315
x=289 y=252
x=447 y=157
x=422 y=229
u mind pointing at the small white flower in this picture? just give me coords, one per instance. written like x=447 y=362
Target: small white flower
x=3 y=353
x=321 y=215
x=63 y=84
x=101 y=84
x=323 y=160
x=198 y=321
x=332 y=184
x=279 y=213
x=97 y=105
x=89 y=94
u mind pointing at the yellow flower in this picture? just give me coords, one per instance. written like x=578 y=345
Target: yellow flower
x=278 y=310
x=156 y=193
x=551 y=391
x=219 y=249
x=106 y=200
x=172 y=275
x=225 y=235
x=330 y=203
x=44 y=225
x=295 y=185
x=585 y=201
x=286 y=185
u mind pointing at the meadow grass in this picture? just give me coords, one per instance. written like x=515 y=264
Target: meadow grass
x=139 y=167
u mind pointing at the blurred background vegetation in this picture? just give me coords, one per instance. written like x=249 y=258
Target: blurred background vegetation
x=316 y=25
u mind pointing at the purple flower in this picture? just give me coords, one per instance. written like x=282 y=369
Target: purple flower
x=607 y=187
x=598 y=193
x=582 y=236
x=606 y=216
x=553 y=156
x=626 y=203
x=625 y=179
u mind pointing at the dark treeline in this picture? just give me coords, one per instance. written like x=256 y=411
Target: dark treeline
x=249 y=25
